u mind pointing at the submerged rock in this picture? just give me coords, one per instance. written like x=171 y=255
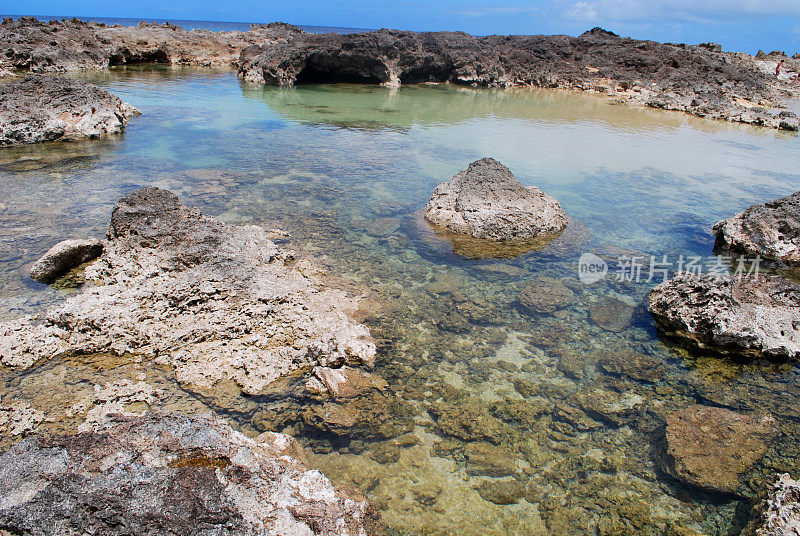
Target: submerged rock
x=64 y=256
x=170 y=475
x=490 y=460
x=711 y=447
x=611 y=314
x=486 y=201
x=771 y=230
x=750 y=315
x=45 y=108
x=779 y=512
x=215 y=301
x=545 y=295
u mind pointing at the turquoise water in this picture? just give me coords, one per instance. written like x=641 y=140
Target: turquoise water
x=346 y=170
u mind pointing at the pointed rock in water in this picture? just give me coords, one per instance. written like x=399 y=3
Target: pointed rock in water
x=64 y=256
x=214 y=301
x=779 y=513
x=486 y=201
x=711 y=447
x=170 y=474
x=771 y=230
x=749 y=315
x=45 y=108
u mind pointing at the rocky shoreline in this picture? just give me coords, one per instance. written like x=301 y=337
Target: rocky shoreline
x=43 y=108
x=701 y=79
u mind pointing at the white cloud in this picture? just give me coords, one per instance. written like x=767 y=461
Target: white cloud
x=708 y=11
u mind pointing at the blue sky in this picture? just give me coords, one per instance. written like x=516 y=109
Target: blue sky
x=745 y=25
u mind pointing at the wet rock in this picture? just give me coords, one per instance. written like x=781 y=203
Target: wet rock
x=545 y=295
x=170 y=474
x=63 y=256
x=611 y=314
x=347 y=382
x=502 y=492
x=779 y=513
x=489 y=460
x=626 y=362
x=426 y=493
x=612 y=407
x=45 y=108
x=486 y=201
x=771 y=230
x=467 y=420
x=750 y=315
x=376 y=415
x=711 y=447
x=525 y=387
x=215 y=301
x=384 y=453
x=112 y=399
x=572 y=365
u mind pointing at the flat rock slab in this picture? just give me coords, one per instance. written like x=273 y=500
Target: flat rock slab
x=64 y=256
x=170 y=475
x=214 y=301
x=44 y=108
x=771 y=230
x=545 y=295
x=749 y=315
x=711 y=447
x=486 y=201
x=611 y=314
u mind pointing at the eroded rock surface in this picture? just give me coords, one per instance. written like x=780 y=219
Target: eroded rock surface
x=63 y=256
x=214 y=301
x=751 y=315
x=170 y=475
x=771 y=230
x=74 y=45
x=779 y=513
x=712 y=447
x=45 y=108
x=702 y=79
x=486 y=201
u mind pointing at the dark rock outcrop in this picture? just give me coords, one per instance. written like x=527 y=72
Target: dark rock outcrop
x=74 y=45
x=45 y=108
x=771 y=230
x=63 y=256
x=711 y=447
x=702 y=79
x=171 y=475
x=749 y=315
x=486 y=201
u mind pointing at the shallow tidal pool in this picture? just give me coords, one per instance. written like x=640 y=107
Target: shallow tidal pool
x=523 y=400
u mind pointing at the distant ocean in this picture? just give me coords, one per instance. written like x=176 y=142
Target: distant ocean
x=214 y=26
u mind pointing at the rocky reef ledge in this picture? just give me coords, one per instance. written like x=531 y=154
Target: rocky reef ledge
x=44 y=108
x=752 y=315
x=171 y=474
x=698 y=79
x=771 y=230
x=214 y=301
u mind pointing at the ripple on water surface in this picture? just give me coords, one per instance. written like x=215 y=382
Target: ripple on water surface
x=520 y=401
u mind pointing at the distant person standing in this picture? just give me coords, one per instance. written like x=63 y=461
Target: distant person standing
x=778 y=69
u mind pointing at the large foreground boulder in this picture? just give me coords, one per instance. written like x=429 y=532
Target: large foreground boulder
x=171 y=475
x=711 y=447
x=214 y=301
x=486 y=201
x=771 y=230
x=754 y=315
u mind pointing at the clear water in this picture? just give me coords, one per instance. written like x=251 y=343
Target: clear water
x=346 y=170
